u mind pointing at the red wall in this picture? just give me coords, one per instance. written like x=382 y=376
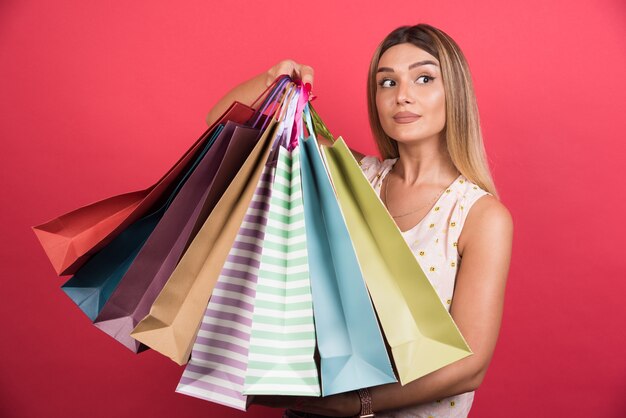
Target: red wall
x=98 y=98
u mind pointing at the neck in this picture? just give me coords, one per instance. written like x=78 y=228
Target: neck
x=425 y=162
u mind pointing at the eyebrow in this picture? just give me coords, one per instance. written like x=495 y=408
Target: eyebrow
x=415 y=64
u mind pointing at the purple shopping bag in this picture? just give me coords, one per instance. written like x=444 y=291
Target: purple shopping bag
x=132 y=299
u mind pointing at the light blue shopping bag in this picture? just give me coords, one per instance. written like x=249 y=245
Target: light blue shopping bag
x=349 y=340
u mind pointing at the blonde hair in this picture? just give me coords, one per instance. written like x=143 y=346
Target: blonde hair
x=462 y=130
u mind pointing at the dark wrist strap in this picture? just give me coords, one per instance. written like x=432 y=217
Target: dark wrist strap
x=366 y=403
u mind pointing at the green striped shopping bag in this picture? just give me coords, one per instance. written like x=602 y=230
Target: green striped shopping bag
x=282 y=341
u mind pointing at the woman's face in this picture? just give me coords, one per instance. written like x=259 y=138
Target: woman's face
x=410 y=97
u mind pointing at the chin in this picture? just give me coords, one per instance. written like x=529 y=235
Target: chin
x=415 y=138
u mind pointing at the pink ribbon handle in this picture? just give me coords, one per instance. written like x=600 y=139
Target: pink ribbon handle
x=303 y=98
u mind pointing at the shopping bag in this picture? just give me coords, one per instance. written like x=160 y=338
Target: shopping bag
x=351 y=347
x=174 y=318
x=422 y=335
x=158 y=257
x=92 y=285
x=219 y=356
x=70 y=239
x=282 y=342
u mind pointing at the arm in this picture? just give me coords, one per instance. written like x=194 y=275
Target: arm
x=248 y=91
x=485 y=246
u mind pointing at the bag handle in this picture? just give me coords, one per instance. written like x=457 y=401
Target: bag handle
x=284 y=116
x=277 y=87
x=269 y=89
x=319 y=125
x=306 y=112
x=287 y=118
x=284 y=105
x=303 y=99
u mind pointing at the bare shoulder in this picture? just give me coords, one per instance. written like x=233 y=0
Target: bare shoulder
x=488 y=221
x=489 y=212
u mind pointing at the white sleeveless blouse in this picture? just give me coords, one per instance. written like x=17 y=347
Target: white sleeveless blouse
x=434 y=243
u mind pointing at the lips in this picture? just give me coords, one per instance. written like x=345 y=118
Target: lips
x=405 y=117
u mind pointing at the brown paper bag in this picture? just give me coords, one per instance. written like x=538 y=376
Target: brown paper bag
x=172 y=324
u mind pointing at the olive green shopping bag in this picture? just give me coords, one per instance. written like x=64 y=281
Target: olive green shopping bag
x=422 y=335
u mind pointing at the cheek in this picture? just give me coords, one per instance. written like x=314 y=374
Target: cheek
x=380 y=102
x=442 y=107
x=437 y=99
x=380 y=107
x=437 y=104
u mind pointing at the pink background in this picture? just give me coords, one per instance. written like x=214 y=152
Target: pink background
x=99 y=98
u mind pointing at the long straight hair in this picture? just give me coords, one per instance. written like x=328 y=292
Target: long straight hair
x=462 y=129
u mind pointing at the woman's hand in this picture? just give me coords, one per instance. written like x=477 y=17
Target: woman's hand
x=291 y=68
x=248 y=91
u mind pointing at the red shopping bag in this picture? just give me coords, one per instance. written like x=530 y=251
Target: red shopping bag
x=70 y=239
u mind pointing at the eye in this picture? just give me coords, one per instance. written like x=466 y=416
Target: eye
x=386 y=82
x=425 y=79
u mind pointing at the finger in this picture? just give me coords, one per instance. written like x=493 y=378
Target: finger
x=286 y=67
x=306 y=74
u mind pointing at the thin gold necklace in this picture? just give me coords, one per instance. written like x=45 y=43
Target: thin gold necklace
x=415 y=210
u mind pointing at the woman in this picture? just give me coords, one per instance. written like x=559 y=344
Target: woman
x=436 y=184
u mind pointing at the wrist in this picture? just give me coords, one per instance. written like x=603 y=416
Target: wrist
x=352 y=404
x=365 y=404
x=272 y=73
x=270 y=76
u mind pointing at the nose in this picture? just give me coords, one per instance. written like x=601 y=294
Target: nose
x=403 y=93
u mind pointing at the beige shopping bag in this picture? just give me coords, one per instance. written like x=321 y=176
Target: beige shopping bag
x=172 y=324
